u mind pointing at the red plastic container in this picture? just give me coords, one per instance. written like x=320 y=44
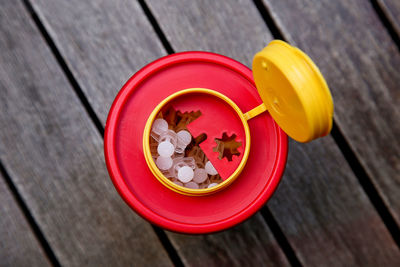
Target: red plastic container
x=137 y=184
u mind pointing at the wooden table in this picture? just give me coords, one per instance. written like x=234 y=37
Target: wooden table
x=63 y=62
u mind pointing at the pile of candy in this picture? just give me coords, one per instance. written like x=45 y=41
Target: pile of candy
x=178 y=155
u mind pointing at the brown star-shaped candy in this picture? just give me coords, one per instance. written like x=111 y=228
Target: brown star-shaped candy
x=227 y=146
x=183 y=119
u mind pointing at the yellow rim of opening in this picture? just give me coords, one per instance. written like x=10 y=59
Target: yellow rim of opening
x=206 y=191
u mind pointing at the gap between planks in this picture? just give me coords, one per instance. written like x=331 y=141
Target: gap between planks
x=281 y=239
x=169 y=49
x=266 y=214
x=29 y=218
x=338 y=136
x=173 y=255
x=383 y=17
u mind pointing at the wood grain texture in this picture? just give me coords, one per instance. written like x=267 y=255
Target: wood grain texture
x=128 y=44
x=54 y=156
x=392 y=11
x=18 y=244
x=249 y=244
x=361 y=64
x=328 y=219
x=320 y=205
x=104 y=43
x=231 y=28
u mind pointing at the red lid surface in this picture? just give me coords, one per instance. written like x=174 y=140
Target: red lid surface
x=132 y=177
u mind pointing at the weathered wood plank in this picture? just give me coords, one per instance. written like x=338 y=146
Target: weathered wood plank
x=392 y=11
x=231 y=28
x=361 y=64
x=320 y=205
x=329 y=219
x=18 y=245
x=249 y=244
x=104 y=42
x=54 y=156
x=123 y=37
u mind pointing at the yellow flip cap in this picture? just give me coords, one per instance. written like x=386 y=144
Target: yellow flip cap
x=294 y=91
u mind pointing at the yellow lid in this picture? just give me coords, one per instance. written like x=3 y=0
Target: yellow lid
x=294 y=91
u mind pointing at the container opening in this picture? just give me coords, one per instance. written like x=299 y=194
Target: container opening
x=177 y=153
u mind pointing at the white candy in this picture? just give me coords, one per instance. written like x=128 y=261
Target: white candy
x=169 y=136
x=164 y=163
x=200 y=175
x=159 y=126
x=210 y=168
x=177 y=182
x=165 y=149
x=179 y=161
x=185 y=174
x=185 y=137
x=167 y=173
x=212 y=185
x=189 y=161
x=192 y=185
